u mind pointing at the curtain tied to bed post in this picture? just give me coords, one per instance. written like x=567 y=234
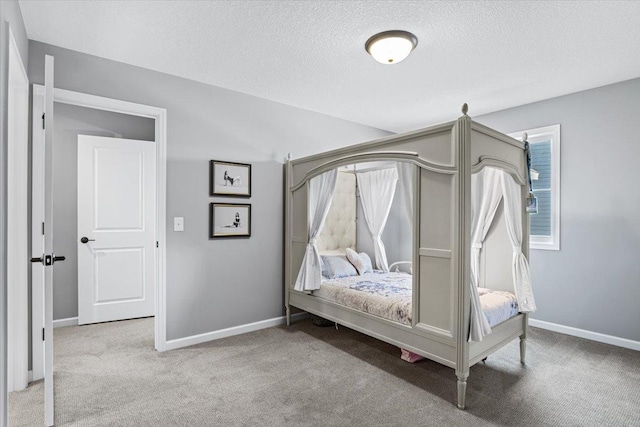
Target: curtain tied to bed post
x=522 y=275
x=486 y=194
x=376 y=195
x=321 y=190
x=380 y=253
x=513 y=220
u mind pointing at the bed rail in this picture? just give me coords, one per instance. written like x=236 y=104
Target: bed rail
x=401 y=263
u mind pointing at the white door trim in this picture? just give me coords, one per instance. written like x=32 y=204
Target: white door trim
x=17 y=226
x=160 y=116
x=49 y=411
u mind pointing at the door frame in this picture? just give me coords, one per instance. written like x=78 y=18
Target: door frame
x=17 y=229
x=159 y=115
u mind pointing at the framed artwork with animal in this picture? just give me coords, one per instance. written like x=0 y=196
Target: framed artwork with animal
x=229 y=179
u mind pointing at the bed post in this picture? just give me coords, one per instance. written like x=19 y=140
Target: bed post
x=287 y=236
x=523 y=338
x=462 y=143
x=525 y=251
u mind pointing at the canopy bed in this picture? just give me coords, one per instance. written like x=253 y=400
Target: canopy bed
x=464 y=188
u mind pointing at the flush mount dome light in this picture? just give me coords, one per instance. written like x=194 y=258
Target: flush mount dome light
x=391 y=47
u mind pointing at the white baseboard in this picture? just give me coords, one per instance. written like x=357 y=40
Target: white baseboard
x=236 y=330
x=581 y=333
x=61 y=323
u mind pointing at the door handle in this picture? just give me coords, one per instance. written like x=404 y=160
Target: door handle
x=87 y=240
x=47 y=260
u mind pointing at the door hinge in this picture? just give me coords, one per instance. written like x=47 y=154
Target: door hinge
x=157 y=244
x=43 y=228
x=42 y=334
x=42 y=120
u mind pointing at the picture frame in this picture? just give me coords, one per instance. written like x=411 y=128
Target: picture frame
x=229 y=220
x=229 y=179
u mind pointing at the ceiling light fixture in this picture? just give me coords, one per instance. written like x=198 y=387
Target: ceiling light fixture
x=391 y=47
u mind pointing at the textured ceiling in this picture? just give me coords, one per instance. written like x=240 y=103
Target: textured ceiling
x=493 y=55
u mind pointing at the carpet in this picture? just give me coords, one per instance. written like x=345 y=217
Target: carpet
x=109 y=375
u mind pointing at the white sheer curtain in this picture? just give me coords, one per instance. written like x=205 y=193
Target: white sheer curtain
x=321 y=190
x=405 y=174
x=513 y=220
x=376 y=195
x=486 y=193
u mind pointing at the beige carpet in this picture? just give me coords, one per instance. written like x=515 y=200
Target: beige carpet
x=109 y=375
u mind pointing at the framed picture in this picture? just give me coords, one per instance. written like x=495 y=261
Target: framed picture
x=229 y=179
x=229 y=220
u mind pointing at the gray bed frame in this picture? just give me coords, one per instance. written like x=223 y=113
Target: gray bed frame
x=446 y=155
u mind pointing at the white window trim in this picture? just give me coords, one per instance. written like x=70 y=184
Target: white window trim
x=537 y=135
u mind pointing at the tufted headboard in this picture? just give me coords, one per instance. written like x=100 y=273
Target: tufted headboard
x=339 y=231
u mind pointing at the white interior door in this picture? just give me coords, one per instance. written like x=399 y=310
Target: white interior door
x=116 y=228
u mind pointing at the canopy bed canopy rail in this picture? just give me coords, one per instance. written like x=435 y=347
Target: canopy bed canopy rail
x=402 y=156
x=443 y=318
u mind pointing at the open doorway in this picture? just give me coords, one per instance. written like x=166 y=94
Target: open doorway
x=94 y=120
x=104 y=210
x=125 y=140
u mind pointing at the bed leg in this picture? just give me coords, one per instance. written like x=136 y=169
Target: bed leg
x=462 y=391
x=288 y=310
x=523 y=349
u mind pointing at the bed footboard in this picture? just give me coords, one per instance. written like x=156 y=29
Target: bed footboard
x=500 y=336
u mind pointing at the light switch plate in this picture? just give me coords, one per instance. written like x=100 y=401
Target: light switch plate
x=178 y=223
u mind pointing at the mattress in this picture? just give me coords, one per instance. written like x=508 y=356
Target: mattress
x=388 y=295
x=497 y=306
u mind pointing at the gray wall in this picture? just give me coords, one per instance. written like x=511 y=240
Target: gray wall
x=69 y=122
x=593 y=282
x=9 y=14
x=213 y=284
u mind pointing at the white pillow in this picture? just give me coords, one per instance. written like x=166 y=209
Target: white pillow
x=336 y=267
x=360 y=261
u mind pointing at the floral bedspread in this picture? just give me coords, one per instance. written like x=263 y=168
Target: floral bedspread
x=497 y=306
x=388 y=295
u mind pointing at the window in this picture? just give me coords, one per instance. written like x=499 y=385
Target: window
x=544 y=144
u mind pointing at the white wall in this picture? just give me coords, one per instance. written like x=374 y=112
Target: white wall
x=593 y=282
x=10 y=16
x=213 y=284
